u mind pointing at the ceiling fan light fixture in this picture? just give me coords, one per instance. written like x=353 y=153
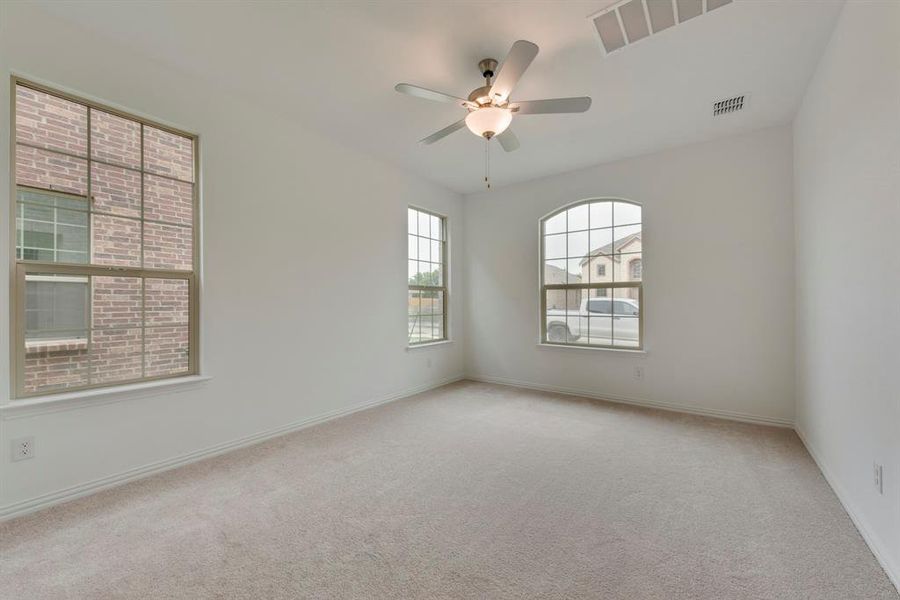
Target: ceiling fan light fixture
x=489 y=121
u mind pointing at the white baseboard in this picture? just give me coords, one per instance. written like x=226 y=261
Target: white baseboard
x=875 y=545
x=30 y=505
x=706 y=412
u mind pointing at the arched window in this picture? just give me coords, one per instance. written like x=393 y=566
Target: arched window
x=591 y=275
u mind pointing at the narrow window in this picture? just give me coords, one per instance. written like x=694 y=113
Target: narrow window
x=105 y=290
x=427 y=277
x=592 y=275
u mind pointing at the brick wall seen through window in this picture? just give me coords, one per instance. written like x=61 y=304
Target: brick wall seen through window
x=105 y=288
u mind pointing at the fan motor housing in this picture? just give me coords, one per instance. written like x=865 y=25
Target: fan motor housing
x=481 y=96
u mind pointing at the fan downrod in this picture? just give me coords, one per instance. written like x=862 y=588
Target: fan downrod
x=482 y=95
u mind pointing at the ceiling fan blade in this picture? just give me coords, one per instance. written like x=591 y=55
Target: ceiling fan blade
x=443 y=132
x=508 y=140
x=552 y=105
x=420 y=92
x=520 y=56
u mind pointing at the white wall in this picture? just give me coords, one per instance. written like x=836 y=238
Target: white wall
x=718 y=280
x=303 y=314
x=847 y=217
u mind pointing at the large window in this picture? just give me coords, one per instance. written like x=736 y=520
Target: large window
x=427 y=274
x=591 y=275
x=105 y=289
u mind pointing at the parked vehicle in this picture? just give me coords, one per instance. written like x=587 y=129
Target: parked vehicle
x=596 y=321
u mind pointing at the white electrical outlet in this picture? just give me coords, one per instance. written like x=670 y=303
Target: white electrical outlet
x=23 y=448
x=639 y=372
x=879 y=477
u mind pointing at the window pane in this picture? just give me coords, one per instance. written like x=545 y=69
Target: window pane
x=626 y=213
x=557 y=330
x=116 y=302
x=413 y=303
x=436 y=251
x=599 y=269
x=52 y=365
x=555 y=246
x=601 y=214
x=578 y=218
x=437 y=326
x=577 y=244
x=117 y=241
x=55 y=332
x=424 y=249
x=424 y=225
x=412 y=247
x=50 y=171
x=55 y=306
x=415 y=329
x=116 y=355
x=601 y=241
x=626 y=301
x=428 y=274
x=48 y=233
x=412 y=221
x=166 y=351
x=600 y=331
x=50 y=122
x=555 y=301
x=436 y=228
x=426 y=327
x=574 y=270
x=166 y=302
x=115 y=139
x=116 y=190
x=556 y=224
x=627 y=239
x=168 y=200
x=626 y=332
x=167 y=247
x=437 y=302
x=626 y=309
x=554 y=272
x=168 y=154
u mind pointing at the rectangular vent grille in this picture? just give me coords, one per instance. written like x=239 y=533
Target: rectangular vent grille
x=629 y=21
x=729 y=105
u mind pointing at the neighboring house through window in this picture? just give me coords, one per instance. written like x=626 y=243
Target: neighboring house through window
x=105 y=288
x=427 y=305
x=592 y=276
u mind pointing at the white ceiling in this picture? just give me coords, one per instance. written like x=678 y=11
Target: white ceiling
x=336 y=63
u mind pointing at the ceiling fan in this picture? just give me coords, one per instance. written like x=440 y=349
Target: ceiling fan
x=490 y=108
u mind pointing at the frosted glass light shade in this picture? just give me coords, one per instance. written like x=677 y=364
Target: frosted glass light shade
x=489 y=121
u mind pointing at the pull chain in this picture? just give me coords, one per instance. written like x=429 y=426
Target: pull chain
x=487 y=162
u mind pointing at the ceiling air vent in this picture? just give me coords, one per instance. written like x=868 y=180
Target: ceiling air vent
x=627 y=21
x=729 y=105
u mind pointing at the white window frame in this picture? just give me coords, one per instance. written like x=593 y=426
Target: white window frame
x=444 y=288
x=587 y=287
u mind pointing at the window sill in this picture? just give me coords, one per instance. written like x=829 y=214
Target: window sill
x=429 y=345
x=35 y=405
x=593 y=349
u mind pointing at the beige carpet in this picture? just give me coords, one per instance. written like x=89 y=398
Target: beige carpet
x=469 y=491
